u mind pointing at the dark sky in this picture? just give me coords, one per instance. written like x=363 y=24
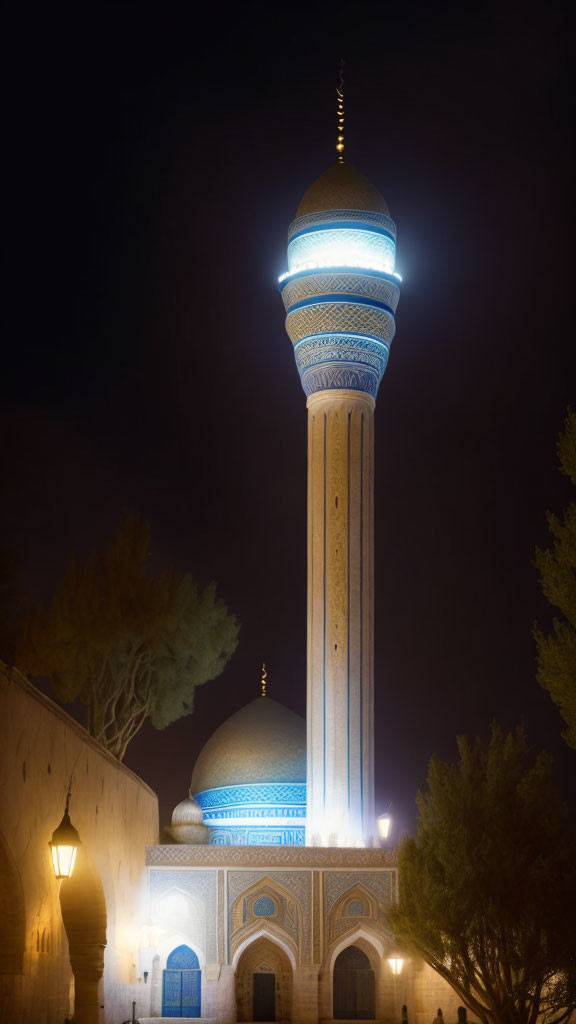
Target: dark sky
x=158 y=161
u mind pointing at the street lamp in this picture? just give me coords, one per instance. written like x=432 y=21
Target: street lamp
x=384 y=822
x=64 y=845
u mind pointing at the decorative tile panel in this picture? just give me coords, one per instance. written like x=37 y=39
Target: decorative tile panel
x=280 y=856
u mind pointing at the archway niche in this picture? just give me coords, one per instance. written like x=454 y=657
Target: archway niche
x=354 y=986
x=182 y=984
x=12 y=936
x=264 y=983
x=84 y=914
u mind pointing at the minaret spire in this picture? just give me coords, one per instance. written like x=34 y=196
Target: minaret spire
x=263 y=681
x=340 y=108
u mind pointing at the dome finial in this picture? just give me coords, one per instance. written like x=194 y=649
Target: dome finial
x=340 y=106
x=263 y=681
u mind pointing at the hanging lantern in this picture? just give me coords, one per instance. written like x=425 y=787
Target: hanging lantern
x=64 y=845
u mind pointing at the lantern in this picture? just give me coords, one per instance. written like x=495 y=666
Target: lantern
x=64 y=845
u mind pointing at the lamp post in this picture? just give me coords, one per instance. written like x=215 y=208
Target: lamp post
x=64 y=846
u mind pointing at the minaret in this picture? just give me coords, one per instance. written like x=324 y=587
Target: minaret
x=340 y=294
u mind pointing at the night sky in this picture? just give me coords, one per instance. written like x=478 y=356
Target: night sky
x=157 y=162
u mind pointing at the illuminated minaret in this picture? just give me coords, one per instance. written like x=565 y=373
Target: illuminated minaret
x=340 y=294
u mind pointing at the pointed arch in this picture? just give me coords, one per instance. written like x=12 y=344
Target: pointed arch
x=178 y=911
x=274 y=935
x=264 y=979
x=353 y=908
x=171 y=940
x=372 y=945
x=284 y=914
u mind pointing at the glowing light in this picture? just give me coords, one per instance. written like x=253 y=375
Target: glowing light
x=396 y=964
x=341 y=246
x=64 y=845
x=353 y=264
x=63 y=859
x=384 y=822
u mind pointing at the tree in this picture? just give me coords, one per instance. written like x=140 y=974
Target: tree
x=487 y=888
x=557 y=568
x=127 y=644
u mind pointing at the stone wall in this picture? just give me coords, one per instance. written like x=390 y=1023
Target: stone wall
x=116 y=815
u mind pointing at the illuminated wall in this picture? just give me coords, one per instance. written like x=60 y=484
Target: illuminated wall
x=116 y=815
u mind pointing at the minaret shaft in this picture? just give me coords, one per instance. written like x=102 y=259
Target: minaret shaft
x=340 y=293
x=340 y=781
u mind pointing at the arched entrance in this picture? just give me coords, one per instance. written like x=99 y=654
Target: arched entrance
x=354 y=986
x=181 y=984
x=84 y=914
x=264 y=983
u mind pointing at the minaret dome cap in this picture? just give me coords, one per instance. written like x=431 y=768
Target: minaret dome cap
x=342 y=187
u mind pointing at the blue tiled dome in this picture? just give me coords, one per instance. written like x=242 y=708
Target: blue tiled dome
x=250 y=777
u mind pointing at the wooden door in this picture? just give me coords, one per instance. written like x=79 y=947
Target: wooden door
x=354 y=987
x=264 y=997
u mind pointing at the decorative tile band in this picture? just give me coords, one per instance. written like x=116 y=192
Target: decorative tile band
x=367 y=284
x=271 y=856
x=267 y=836
x=365 y=217
x=340 y=318
x=288 y=793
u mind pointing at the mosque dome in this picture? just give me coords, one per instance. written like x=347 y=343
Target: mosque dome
x=187 y=812
x=250 y=777
x=262 y=742
x=342 y=187
x=187 y=825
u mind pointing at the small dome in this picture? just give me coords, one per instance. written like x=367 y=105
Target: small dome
x=341 y=187
x=187 y=812
x=263 y=742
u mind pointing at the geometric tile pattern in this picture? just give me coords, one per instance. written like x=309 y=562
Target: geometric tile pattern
x=364 y=217
x=260 y=814
x=264 y=793
x=296 y=883
x=367 y=285
x=337 y=883
x=340 y=318
x=330 y=348
x=266 y=835
x=341 y=377
x=271 y=856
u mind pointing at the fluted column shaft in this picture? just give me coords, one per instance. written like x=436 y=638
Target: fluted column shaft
x=340 y=775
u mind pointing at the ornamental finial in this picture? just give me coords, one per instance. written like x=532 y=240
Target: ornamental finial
x=263 y=681
x=340 y=105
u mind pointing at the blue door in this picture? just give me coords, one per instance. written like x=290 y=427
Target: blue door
x=181 y=984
